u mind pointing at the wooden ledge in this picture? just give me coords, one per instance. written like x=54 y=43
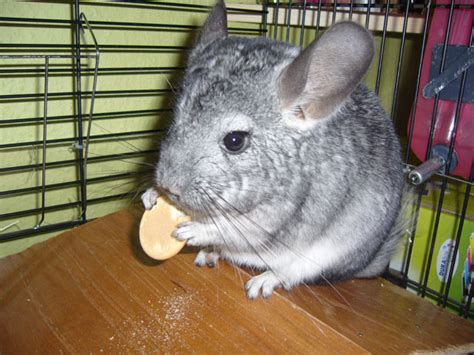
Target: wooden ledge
x=93 y=290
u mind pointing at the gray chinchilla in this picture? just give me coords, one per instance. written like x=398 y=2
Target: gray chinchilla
x=284 y=160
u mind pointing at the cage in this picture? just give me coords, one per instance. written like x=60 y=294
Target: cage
x=86 y=94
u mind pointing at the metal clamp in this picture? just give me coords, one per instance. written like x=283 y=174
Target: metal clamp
x=436 y=164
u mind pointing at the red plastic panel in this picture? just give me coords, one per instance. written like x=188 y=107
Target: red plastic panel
x=461 y=25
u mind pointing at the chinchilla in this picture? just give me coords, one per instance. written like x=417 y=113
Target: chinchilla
x=284 y=160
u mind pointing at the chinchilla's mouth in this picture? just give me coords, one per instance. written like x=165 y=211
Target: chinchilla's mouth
x=179 y=203
x=174 y=198
x=195 y=208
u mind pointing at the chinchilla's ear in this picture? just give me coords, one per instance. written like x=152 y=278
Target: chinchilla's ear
x=215 y=26
x=317 y=82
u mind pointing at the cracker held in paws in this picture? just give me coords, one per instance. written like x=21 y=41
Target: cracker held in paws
x=156 y=228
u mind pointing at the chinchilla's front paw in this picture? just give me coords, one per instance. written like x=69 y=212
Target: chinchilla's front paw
x=206 y=257
x=149 y=198
x=194 y=234
x=264 y=283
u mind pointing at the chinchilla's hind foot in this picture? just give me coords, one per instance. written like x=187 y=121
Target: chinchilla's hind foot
x=263 y=284
x=206 y=257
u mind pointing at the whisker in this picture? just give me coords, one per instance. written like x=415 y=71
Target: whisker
x=234 y=188
x=233 y=262
x=294 y=251
x=227 y=217
x=242 y=235
x=144 y=173
x=124 y=160
x=125 y=144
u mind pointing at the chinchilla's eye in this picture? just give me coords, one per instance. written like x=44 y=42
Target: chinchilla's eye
x=236 y=141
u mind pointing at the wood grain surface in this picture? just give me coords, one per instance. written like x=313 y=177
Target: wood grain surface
x=92 y=290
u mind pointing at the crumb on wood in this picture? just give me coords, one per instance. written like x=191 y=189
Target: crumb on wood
x=164 y=322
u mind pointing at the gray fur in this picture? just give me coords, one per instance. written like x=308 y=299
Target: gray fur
x=314 y=196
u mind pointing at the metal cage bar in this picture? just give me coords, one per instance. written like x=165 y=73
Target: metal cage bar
x=46 y=97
